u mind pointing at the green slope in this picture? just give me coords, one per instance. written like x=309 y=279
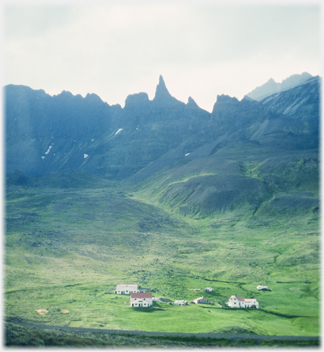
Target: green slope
x=67 y=248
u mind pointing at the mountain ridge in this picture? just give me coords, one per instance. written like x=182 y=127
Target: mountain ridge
x=272 y=87
x=45 y=133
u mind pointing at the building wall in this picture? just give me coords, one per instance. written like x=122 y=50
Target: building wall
x=142 y=302
x=235 y=303
x=126 y=291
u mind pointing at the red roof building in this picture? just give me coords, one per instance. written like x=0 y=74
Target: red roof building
x=240 y=302
x=137 y=295
x=141 y=299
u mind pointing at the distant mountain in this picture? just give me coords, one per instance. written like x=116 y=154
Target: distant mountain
x=45 y=134
x=272 y=87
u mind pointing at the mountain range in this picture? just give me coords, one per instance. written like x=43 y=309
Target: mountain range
x=45 y=133
x=165 y=139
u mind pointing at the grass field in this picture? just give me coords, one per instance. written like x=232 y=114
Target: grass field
x=18 y=336
x=67 y=249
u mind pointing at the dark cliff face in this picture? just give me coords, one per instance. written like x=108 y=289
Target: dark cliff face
x=45 y=133
x=301 y=103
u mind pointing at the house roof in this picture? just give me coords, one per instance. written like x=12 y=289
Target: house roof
x=199 y=298
x=239 y=298
x=141 y=295
x=250 y=300
x=133 y=287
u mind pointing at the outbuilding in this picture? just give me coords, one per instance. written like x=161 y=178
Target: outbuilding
x=180 y=303
x=263 y=288
x=202 y=300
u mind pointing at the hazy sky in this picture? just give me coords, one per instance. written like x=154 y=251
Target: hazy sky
x=201 y=48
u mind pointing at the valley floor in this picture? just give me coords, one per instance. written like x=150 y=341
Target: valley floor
x=67 y=249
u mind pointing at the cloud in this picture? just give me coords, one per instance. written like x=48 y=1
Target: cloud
x=201 y=49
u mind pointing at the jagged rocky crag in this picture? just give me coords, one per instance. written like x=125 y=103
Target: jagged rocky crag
x=45 y=133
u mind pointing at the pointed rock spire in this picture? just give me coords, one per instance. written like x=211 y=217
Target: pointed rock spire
x=161 y=81
x=163 y=97
x=161 y=92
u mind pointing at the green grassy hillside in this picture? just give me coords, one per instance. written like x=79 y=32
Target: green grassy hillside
x=67 y=249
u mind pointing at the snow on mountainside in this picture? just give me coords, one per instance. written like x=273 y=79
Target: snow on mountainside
x=272 y=87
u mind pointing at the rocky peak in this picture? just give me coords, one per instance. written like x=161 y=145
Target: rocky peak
x=161 y=90
x=94 y=98
x=221 y=99
x=192 y=103
x=136 y=99
x=162 y=95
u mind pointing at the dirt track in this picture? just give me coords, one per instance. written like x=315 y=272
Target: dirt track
x=172 y=334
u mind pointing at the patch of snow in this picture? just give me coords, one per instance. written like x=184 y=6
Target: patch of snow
x=119 y=130
x=85 y=155
x=267 y=100
x=293 y=107
x=43 y=157
x=48 y=150
x=187 y=154
x=92 y=140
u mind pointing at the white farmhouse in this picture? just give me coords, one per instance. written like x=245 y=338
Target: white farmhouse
x=126 y=289
x=240 y=302
x=141 y=299
x=180 y=303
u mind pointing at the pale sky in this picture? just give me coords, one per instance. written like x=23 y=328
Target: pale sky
x=116 y=48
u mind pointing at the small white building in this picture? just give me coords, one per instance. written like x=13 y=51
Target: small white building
x=202 y=300
x=263 y=288
x=240 y=302
x=180 y=303
x=209 y=289
x=141 y=299
x=126 y=289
